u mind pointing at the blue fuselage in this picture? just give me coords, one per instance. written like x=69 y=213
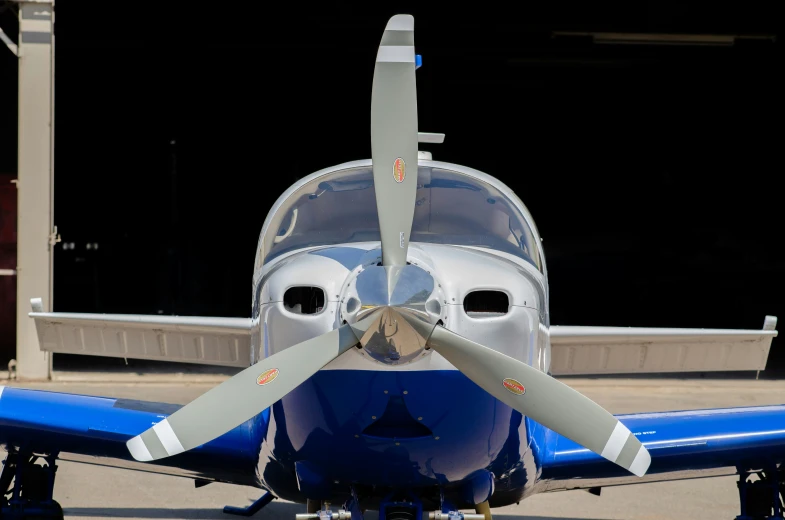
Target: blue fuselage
x=406 y=430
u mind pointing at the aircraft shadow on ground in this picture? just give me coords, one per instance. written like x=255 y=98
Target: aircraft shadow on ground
x=529 y=517
x=276 y=510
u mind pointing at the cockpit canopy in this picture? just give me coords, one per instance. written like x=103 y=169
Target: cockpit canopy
x=454 y=205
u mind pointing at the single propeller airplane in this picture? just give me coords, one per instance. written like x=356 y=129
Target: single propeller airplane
x=397 y=358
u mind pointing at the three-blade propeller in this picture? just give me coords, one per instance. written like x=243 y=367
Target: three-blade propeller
x=522 y=387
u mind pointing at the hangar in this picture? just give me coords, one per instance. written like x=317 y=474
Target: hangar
x=642 y=137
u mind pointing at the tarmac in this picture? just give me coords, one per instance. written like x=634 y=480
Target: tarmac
x=87 y=492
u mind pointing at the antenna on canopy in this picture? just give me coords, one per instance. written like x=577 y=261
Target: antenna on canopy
x=426 y=137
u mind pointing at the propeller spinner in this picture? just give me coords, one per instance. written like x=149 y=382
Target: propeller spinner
x=393 y=310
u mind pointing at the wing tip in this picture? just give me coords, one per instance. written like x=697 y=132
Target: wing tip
x=640 y=465
x=138 y=449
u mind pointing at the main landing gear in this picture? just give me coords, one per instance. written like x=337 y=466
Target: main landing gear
x=401 y=506
x=409 y=507
x=761 y=495
x=27 y=482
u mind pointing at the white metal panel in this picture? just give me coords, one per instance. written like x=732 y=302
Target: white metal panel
x=315 y=268
x=514 y=334
x=185 y=339
x=36 y=178
x=620 y=350
x=286 y=329
x=462 y=270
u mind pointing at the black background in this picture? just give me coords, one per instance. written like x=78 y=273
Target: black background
x=653 y=172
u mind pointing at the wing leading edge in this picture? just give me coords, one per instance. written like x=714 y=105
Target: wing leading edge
x=683 y=444
x=95 y=430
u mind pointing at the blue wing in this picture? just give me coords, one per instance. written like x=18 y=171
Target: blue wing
x=95 y=429
x=683 y=444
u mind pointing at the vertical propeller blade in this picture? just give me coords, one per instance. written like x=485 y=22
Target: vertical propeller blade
x=394 y=137
x=544 y=399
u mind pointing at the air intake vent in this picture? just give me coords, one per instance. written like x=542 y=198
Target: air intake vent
x=486 y=304
x=304 y=300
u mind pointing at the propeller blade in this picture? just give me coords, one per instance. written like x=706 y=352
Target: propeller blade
x=544 y=399
x=240 y=398
x=394 y=137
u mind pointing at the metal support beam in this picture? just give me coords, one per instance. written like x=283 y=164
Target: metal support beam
x=36 y=180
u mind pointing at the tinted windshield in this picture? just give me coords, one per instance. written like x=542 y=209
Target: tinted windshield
x=451 y=208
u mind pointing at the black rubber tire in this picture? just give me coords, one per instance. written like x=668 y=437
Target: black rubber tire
x=57 y=513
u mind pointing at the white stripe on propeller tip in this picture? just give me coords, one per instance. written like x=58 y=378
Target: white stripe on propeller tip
x=138 y=449
x=165 y=434
x=168 y=438
x=641 y=463
x=616 y=442
x=621 y=434
x=395 y=54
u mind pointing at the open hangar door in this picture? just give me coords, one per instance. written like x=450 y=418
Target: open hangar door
x=649 y=162
x=7 y=269
x=8 y=202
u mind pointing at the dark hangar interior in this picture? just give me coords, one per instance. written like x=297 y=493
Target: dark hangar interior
x=644 y=137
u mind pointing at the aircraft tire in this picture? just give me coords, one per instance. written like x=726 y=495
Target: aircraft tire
x=56 y=513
